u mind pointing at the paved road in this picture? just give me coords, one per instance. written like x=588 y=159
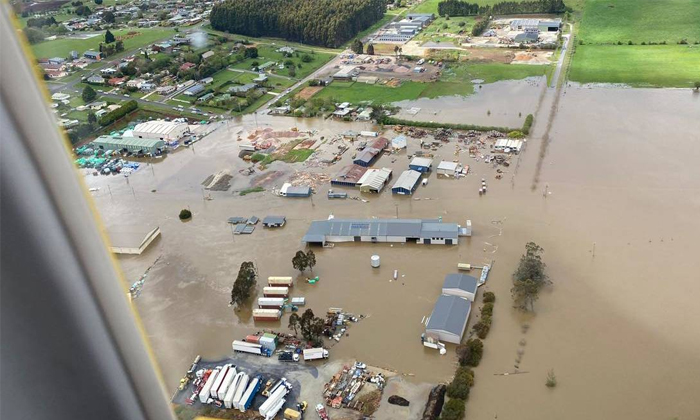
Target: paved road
x=322 y=69
x=562 y=56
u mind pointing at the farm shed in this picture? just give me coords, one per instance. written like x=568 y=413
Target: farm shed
x=449 y=319
x=421 y=164
x=274 y=221
x=374 y=180
x=407 y=182
x=461 y=285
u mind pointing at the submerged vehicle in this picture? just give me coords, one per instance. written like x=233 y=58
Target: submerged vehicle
x=321 y=410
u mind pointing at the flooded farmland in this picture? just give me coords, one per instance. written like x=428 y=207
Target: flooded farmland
x=499 y=104
x=615 y=210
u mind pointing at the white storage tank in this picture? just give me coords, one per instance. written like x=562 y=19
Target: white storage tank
x=375 y=261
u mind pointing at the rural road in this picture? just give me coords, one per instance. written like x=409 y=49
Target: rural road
x=562 y=56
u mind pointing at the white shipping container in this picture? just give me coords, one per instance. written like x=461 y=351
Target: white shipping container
x=279 y=394
x=242 y=386
x=204 y=393
x=228 y=399
x=317 y=353
x=270 y=302
x=217 y=383
x=280 y=281
x=275 y=409
x=248 y=394
x=299 y=301
x=270 y=291
x=226 y=383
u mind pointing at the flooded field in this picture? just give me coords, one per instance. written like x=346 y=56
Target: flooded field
x=619 y=327
x=508 y=101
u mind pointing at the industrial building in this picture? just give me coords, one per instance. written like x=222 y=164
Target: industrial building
x=161 y=130
x=274 y=221
x=374 y=180
x=421 y=231
x=132 y=240
x=421 y=164
x=129 y=144
x=288 y=190
x=345 y=73
x=349 y=176
x=371 y=153
x=508 y=145
x=449 y=319
x=535 y=25
x=462 y=285
x=448 y=168
x=407 y=182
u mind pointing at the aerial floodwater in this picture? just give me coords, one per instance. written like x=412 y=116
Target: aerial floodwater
x=499 y=104
x=615 y=206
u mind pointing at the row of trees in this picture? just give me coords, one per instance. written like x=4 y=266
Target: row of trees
x=314 y=22
x=463 y=8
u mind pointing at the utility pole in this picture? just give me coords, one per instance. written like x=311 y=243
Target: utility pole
x=397 y=210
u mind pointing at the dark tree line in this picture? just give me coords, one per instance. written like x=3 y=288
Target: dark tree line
x=463 y=8
x=316 y=22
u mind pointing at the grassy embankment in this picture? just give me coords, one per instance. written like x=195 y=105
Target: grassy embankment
x=605 y=23
x=63 y=46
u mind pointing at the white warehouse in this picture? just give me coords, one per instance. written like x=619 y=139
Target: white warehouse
x=161 y=130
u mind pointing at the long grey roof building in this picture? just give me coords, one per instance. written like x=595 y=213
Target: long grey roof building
x=422 y=231
x=458 y=284
x=449 y=319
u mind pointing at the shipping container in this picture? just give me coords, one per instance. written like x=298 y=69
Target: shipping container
x=280 y=281
x=268 y=343
x=266 y=314
x=249 y=394
x=204 y=394
x=242 y=386
x=217 y=383
x=268 y=406
x=290 y=414
x=228 y=399
x=270 y=291
x=270 y=302
x=298 y=301
x=314 y=354
x=226 y=383
x=255 y=339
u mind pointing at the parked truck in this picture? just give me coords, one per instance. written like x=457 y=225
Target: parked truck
x=251 y=348
x=226 y=383
x=231 y=392
x=315 y=354
x=204 y=394
x=288 y=356
x=249 y=394
x=272 y=405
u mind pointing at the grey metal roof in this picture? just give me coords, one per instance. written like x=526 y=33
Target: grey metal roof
x=450 y=314
x=300 y=190
x=407 y=180
x=274 y=220
x=244 y=229
x=409 y=228
x=460 y=281
x=236 y=220
x=421 y=161
x=253 y=220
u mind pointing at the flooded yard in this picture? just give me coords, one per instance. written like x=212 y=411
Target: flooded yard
x=499 y=104
x=615 y=210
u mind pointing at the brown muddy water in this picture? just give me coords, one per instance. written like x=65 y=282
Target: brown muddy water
x=509 y=102
x=620 y=327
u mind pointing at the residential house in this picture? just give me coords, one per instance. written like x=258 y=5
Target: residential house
x=96 y=80
x=207 y=81
x=241 y=90
x=187 y=66
x=207 y=55
x=93 y=55
x=117 y=81
x=135 y=83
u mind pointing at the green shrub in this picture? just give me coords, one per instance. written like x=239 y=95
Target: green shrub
x=482 y=329
x=528 y=124
x=113 y=116
x=470 y=354
x=487 y=310
x=185 y=214
x=460 y=385
x=453 y=410
x=516 y=134
x=489 y=297
x=257 y=157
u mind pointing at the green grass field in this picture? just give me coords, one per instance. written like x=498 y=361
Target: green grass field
x=437 y=32
x=637 y=65
x=455 y=80
x=610 y=21
x=62 y=47
x=269 y=53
